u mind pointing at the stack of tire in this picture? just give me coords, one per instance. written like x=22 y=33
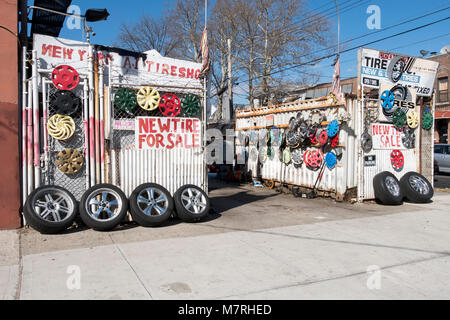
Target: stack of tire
x=52 y=209
x=412 y=186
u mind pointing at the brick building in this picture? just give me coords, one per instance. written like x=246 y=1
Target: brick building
x=9 y=116
x=442 y=115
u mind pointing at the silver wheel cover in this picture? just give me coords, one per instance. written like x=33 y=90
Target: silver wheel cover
x=53 y=205
x=393 y=186
x=419 y=185
x=193 y=201
x=103 y=204
x=152 y=202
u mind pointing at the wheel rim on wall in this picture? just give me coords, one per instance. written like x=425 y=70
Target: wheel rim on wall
x=193 y=201
x=393 y=186
x=53 y=205
x=419 y=185
x=149 y=201
x=103 y=205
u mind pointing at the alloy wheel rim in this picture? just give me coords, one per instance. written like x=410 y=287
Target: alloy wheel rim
x=419 y=185
x=193 y=200
x=393 y=186
x=152 y=202
x=103 y=205
x=53 y=205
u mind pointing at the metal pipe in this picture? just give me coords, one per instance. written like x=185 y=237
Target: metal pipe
x=102 y=128
x=44 y=124
x=97 y=123
x=24 y=125
x=86 y=130
x=37 y=169
x=30 y=140
x=91 y=115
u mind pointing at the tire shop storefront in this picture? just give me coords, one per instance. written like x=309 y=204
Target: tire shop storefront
x=105 y=127
x=378 y=145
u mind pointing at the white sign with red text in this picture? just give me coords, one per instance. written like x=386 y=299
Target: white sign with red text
x=155 y=70
x=387 y=137
x=167 y=133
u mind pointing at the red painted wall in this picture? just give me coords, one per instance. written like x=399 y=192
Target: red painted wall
x=9 y=129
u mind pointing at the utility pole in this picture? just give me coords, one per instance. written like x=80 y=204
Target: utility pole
x=230 y=81
x=339 y=29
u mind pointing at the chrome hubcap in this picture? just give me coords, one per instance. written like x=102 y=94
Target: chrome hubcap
x=103 y=204
x=152 y=202
x=193 y=200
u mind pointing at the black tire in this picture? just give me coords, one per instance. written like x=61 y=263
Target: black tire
x=108 y=202
x=416 y=188
x=146 y=210
x=65 y=208
x=387 y=189
x=399 y=92
x=188 y=215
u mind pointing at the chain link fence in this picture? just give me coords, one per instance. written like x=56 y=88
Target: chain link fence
x=74 y=183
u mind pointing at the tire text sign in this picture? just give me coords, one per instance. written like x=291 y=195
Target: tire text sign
x=415 y=73
x=167 y=133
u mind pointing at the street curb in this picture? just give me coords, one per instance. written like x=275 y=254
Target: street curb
x=442 y=190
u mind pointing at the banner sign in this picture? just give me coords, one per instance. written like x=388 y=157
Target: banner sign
x=167 y=133
x=125 y=69
x=52 y=52
x=387 y=137
x=415 y=73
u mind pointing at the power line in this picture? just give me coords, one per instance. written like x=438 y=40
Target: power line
x=351 y=49
x=399 y=47
x=323 y=17
x=381 y=30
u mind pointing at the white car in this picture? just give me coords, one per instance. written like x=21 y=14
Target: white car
x=442 y=158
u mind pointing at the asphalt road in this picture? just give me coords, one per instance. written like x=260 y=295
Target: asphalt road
x=442 y=181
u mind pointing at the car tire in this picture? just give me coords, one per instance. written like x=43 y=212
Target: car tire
x=151 y=205
x=191 y=203
x=56 y=203
x=416 y=188
x=103 y=207
x=387 y=189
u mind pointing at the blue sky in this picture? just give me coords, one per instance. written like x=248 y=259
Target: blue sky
x=353 y=24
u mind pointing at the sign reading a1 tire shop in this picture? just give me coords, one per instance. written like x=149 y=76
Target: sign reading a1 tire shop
x=167 y=133
x=126 y=67
x=415 y=73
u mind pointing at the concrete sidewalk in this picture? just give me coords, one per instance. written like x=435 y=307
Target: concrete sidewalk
x=219 y=259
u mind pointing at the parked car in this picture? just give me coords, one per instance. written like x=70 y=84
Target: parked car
x=442 y=158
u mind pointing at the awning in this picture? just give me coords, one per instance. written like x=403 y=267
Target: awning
x=442 y=114
x=48 y=23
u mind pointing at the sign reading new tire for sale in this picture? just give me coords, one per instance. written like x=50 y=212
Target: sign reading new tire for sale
x=168 y=133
